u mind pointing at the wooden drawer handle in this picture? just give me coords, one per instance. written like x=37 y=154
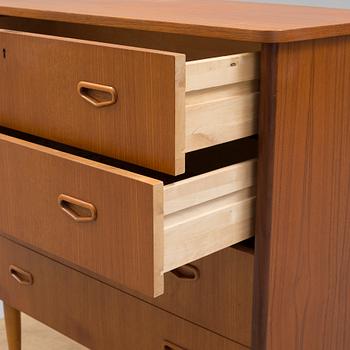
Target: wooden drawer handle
x=96 y=94
x=187 y=272
x=169 y=346
x=77 y=209
x=22 y=277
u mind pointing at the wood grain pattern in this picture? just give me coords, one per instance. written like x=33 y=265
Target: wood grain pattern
x=217 y=121
x=208 y=227
x=212 y=18
x=208 y=212
x=303 y=262
x=220 y=300
x=193 y=47
x=124 y=244
x=113 y=320
x=219 y=71
x=156 y=119
x=13 y=327
x=203 y=188
x=83 y=212
x=264 y=192
x=221 y=99
x=145 y=126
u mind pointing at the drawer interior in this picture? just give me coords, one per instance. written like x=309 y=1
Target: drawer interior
x=214 y=98
x=182 y=221
x=221 y=100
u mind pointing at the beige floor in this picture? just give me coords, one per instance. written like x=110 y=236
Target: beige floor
x=36 y=336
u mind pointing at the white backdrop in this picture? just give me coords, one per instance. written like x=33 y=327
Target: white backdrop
x=1 y=311
x=325 y=3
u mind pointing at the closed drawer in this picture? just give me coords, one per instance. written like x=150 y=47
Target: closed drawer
x=142 y=106
x=215 y=292
x=122 y=226
x=94 y=314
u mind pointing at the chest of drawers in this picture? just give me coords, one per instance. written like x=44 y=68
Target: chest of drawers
x=175 y=175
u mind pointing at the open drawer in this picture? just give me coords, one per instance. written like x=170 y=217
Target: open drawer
x=126 y=228
x=146 y=107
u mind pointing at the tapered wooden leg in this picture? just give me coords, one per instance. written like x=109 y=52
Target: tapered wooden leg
x=13 y=327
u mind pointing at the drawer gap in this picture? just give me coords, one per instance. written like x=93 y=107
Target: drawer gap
x=193 y=47
x=197 y=162
x=247 y=246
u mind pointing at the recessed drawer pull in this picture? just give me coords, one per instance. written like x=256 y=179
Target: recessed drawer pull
x=96 y=94
x=170 y=346
x=187 y=272
x=22 y=277
x=77 y=209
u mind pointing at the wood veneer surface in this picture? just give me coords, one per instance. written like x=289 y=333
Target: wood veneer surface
x=146 y=124
x=125 y=242
x=302 y=275
x=220 y=299
x=92 y=313
x=193 y=47
x=212 y=18
x=206 y=301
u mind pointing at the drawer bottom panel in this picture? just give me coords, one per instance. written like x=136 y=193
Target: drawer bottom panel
x=92 y=313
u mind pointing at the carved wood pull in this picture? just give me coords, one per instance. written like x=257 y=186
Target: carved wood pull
x=96 y=94
x=187 y=272
x=77 y=209
x=19 y=275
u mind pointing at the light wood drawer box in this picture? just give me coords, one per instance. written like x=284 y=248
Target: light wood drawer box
x=94 y=314
x=127 y=228
x=152 y=107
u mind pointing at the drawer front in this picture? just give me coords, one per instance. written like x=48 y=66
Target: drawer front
x=123 y=243
x=40 y=96
x=83 y=304
x=215 y=292
x=113 y=223
x=142 y=106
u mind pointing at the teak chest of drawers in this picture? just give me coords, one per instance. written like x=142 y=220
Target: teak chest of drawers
x=176 y=175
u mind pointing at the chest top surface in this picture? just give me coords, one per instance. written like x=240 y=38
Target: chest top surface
x=237 y=20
